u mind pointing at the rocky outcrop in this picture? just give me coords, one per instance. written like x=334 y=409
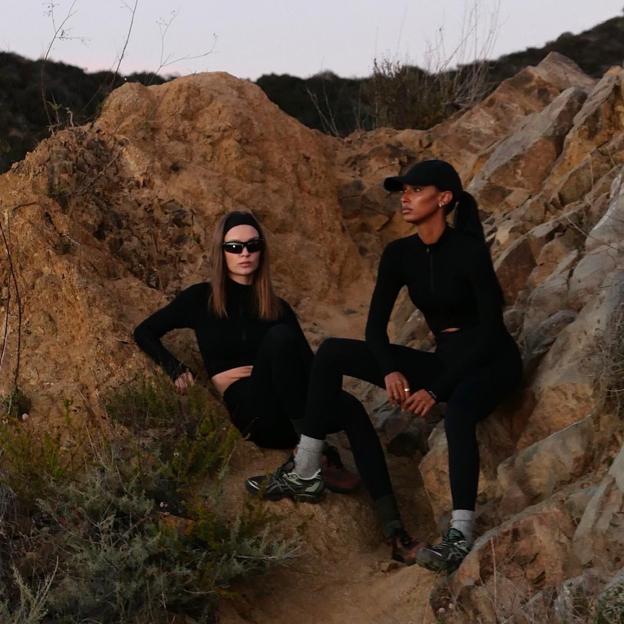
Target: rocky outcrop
x=104 y=223
x=120 y=216
x=519 y=164
x=467 y=139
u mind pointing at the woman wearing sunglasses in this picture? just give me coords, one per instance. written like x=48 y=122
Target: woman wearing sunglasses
x=449 y=275
x=251 y=343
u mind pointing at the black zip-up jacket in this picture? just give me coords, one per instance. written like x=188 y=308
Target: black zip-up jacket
x=453 y=283
x=224 y=343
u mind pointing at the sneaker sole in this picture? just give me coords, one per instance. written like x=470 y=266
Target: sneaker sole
x=430 y=563
x=403 y=560
x=275 y=496
x=342 y=490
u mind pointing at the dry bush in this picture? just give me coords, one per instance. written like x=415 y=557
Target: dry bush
x=401 y=95
x=135 y=529
x=611 y=379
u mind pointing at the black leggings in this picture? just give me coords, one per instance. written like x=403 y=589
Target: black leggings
x=471 y=400
x=264 y=405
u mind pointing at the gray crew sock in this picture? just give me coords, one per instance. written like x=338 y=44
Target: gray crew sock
x=463 y=520
x=388 y=514
x=308 y=456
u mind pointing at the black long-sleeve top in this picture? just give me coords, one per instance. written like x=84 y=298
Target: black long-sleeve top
x=224 y=343
x=453 y=283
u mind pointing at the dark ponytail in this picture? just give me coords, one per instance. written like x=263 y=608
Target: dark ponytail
x=444 y=177
x=467 y=216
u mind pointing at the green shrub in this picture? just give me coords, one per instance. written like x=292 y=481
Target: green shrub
x=189 y=436
x=611 y=349
x=610 y=603
x=31 y=607
x=32 y=460
x=101 y=544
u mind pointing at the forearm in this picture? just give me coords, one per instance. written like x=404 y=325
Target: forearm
x=152 y=346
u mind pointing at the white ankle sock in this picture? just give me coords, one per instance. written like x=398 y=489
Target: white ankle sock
x=463 y=520
x=308 y=456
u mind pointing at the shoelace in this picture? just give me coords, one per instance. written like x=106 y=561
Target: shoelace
x=452 y=536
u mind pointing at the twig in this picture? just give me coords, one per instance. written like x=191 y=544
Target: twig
x=6 y=318
x=59 y=33
x=19 y=303
x=328 y=120
x=133 y=10
x=166 y=61
x=495 y=575
x=5 y=338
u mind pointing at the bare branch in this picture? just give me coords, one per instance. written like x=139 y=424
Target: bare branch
x=167 y=60
x=133 y=10
x=8 y=302
x=325 y=112
x=58 y=34
x=5 y=338
x=19 y=304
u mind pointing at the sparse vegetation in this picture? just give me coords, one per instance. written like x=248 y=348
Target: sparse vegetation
x=340 y=102
x=610 y=603
x=15 y=404
x=126 y=528
x=611 y=346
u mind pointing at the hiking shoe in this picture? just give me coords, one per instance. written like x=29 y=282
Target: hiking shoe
x=447 y=555
x=255 y=484
x=284 y=483
x=336 y=477
x=404 y=547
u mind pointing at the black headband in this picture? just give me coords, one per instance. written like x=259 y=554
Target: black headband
x=240 y=218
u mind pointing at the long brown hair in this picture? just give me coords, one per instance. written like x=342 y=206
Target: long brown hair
x=267 y=303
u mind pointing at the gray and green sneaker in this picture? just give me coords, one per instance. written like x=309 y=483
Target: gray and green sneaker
x=285 y=483
x=255 y=485
x=447 y=555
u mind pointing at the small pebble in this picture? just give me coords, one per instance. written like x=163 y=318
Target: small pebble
x=389 y=566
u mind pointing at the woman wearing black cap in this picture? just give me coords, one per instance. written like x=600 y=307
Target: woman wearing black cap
x=251 y=344
x=450 y=278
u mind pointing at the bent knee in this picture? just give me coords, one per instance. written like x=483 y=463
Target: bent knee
x=330 y=349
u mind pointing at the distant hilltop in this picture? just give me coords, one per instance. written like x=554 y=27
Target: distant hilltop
x=325 y=102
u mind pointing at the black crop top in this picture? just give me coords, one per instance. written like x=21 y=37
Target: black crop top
x=224 y=343
x=453 y=283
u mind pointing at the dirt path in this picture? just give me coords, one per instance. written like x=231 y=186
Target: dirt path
x=344 y=573
x=363 y=588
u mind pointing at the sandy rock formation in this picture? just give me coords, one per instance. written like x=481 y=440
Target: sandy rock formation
x=366 y=158
x=104 y=223
x=124 y=209
x=521 y=161
x=556 y=242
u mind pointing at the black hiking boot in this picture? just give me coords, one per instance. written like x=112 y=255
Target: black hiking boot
x=404 y=547
x=337 y=478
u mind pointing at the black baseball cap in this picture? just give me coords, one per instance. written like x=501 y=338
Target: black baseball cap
x=437 y=172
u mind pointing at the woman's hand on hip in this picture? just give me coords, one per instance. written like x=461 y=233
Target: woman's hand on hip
x=397 y=387
x=183 y=382
x=419 y=403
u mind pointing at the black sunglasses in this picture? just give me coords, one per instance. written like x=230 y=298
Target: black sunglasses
x=236 y=247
